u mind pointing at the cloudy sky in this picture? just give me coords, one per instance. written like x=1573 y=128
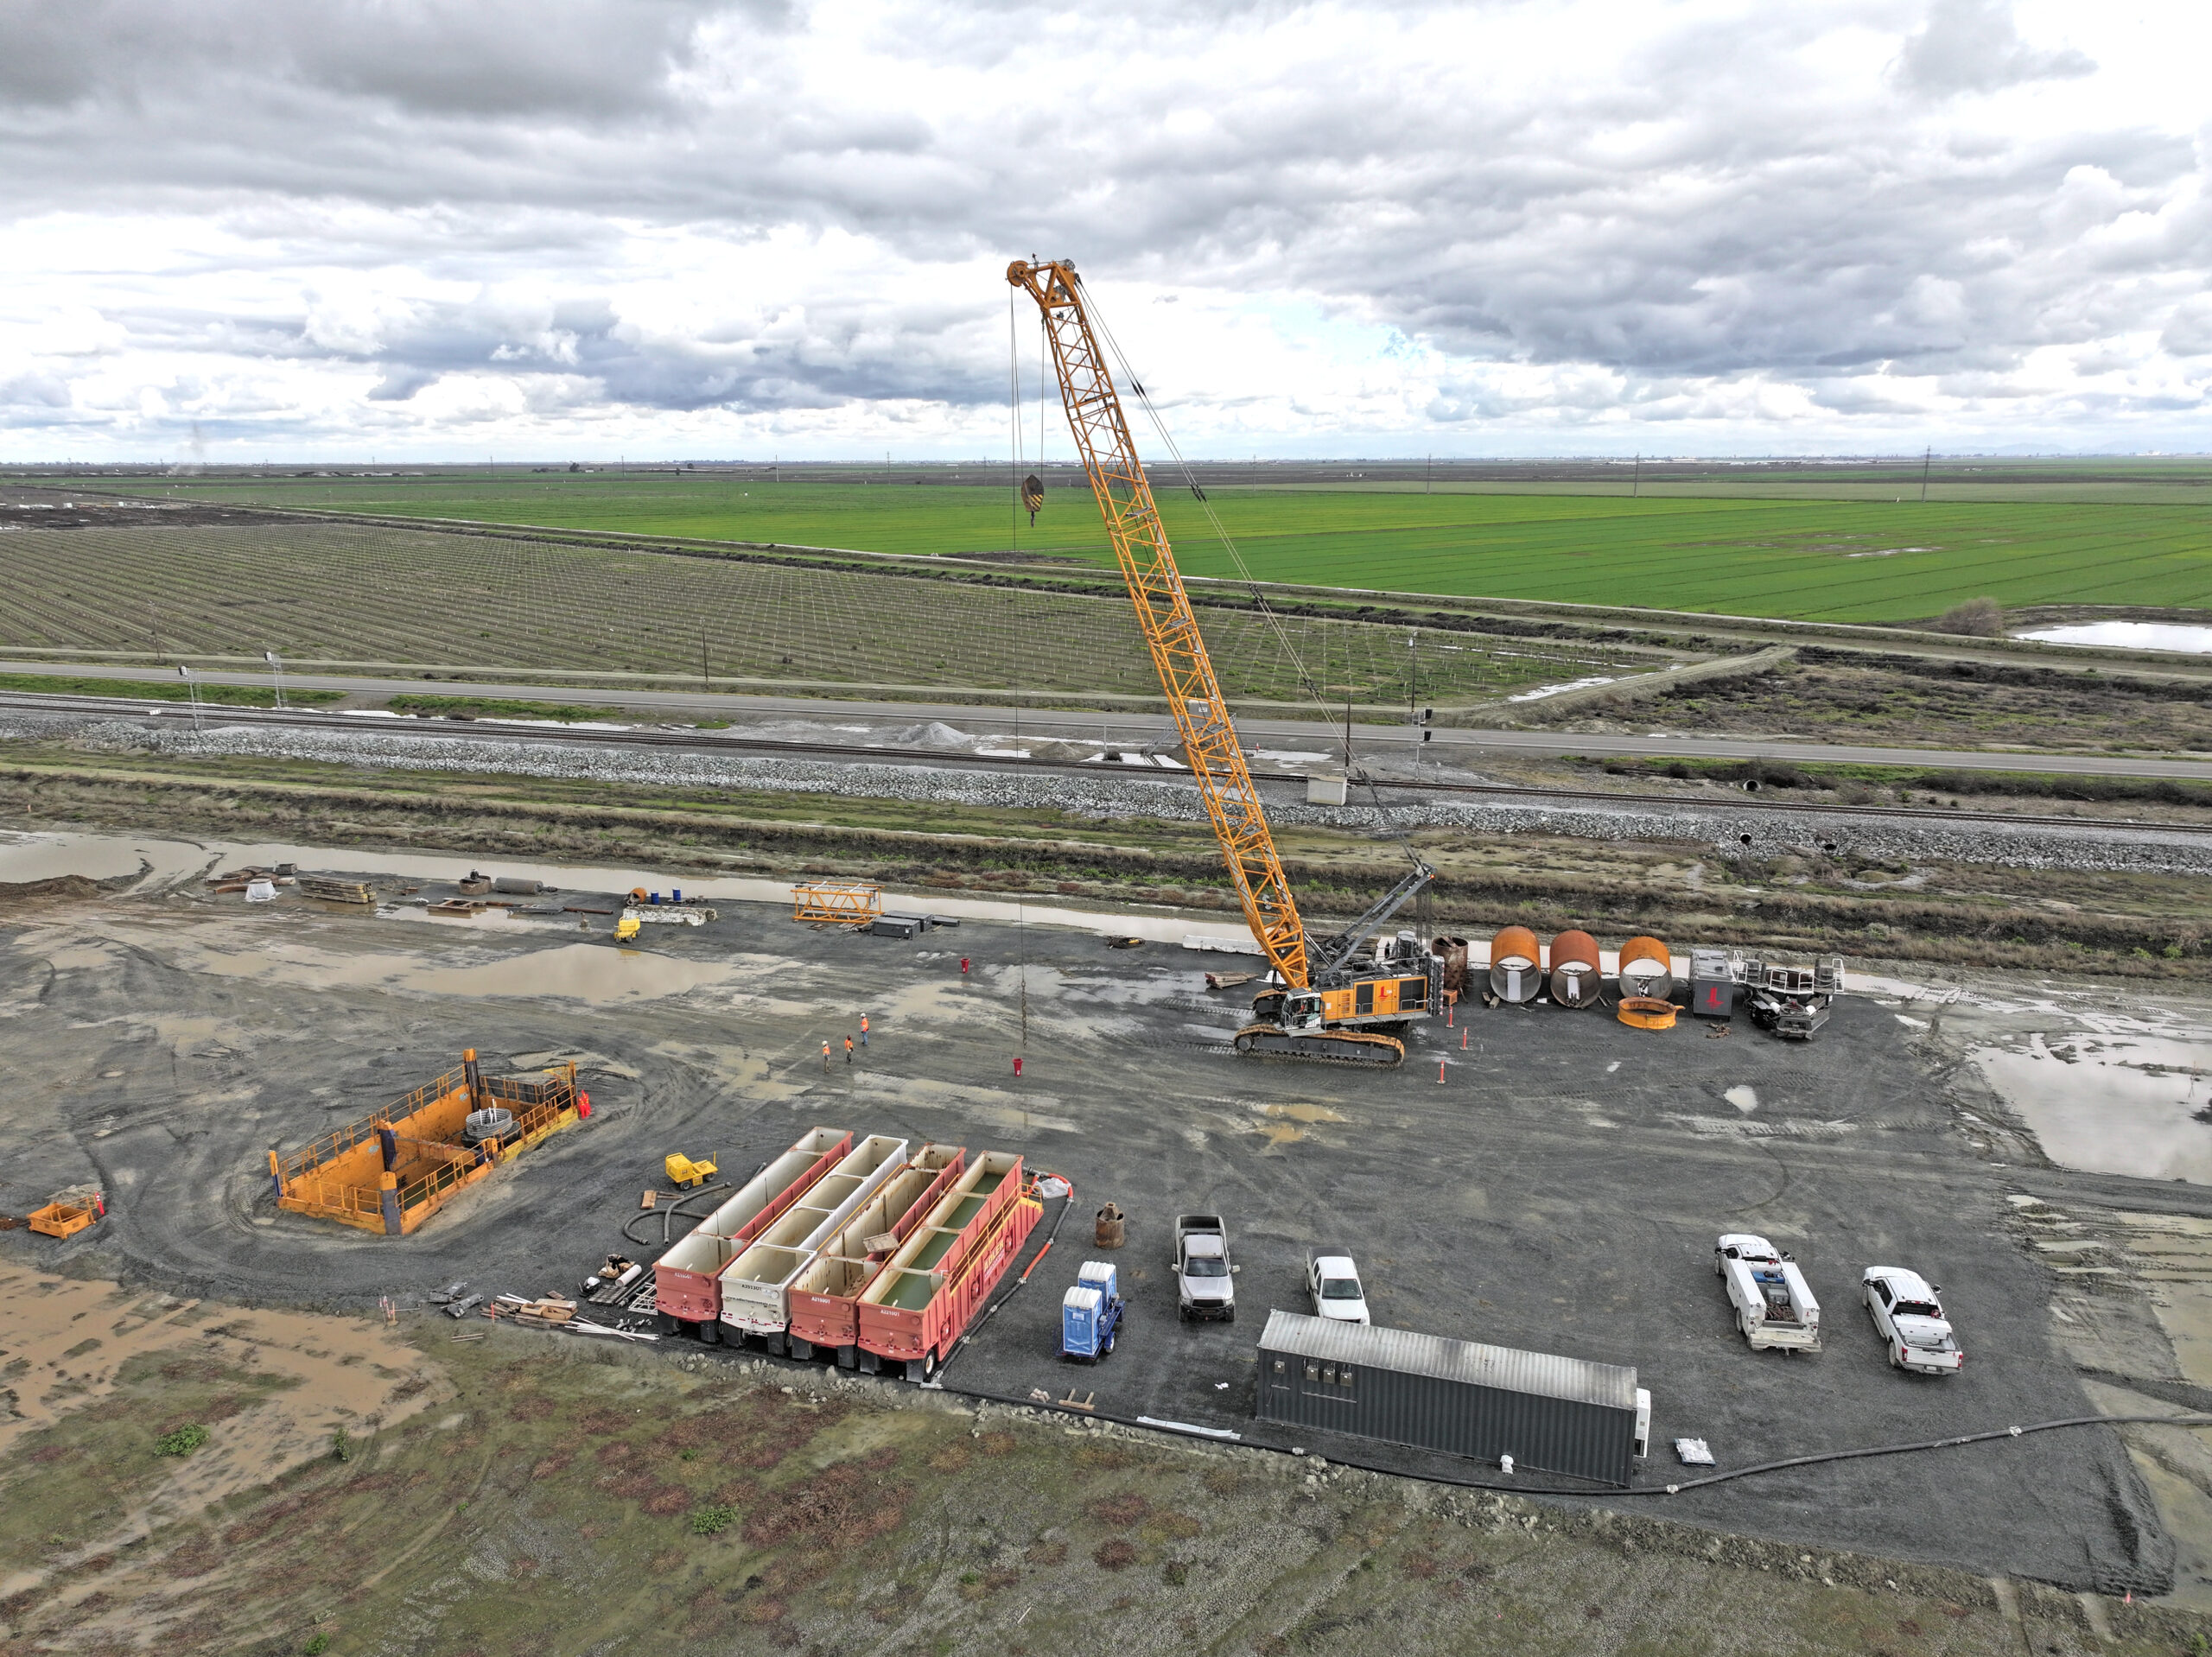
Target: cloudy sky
x=439 y=229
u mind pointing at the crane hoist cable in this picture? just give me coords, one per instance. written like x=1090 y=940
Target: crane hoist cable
x=1386 y=819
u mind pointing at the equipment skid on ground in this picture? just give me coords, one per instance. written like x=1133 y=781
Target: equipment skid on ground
x=1774 y=1306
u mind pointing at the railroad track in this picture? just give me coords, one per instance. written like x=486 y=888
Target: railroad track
x=721 y=742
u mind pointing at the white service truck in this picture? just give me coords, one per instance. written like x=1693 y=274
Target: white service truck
x=1774 y=1305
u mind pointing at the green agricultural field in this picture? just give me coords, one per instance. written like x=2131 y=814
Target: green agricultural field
x=394 y=596
x=1858 y=560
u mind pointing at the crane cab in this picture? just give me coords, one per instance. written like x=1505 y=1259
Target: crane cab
x=1301 y=1010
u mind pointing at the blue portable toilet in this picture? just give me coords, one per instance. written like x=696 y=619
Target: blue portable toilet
x=1090 y=1313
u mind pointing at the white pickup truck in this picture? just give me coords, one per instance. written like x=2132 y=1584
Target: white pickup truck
x=1774 y=1305
x=1204 y=1285
x=1909 y=1318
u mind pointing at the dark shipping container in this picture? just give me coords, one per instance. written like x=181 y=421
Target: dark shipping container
x=1553 y=1415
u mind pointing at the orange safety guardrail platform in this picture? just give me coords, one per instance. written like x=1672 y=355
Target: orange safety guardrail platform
x=394 y=1169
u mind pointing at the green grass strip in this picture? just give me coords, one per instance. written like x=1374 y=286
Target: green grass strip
x=164 y=691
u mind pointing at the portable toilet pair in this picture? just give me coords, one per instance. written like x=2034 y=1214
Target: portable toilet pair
x=1090 y=1313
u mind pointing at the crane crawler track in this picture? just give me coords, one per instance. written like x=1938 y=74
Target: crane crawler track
x=1320 y=1047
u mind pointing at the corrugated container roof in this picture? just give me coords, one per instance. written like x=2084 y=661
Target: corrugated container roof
x=1543 y=1374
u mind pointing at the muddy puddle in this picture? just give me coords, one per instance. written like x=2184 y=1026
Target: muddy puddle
x=1291 y=1124
x=27 y=857
x=64 y=1341
x=2106 y=1081
x=2114 y=1103
x=981 y=1107
x=593 y=973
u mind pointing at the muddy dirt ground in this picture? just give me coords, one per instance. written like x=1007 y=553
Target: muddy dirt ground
x=1559 y=1190
x=551 y=1496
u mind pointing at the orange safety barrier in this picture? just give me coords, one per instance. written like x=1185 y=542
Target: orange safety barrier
x=395 y=1168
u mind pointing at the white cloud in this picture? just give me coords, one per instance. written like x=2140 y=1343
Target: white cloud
x=698 y=228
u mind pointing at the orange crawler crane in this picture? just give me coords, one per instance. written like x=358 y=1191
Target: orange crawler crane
x=1341 y=998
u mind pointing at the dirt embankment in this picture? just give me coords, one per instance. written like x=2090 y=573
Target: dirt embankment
x=2141 y=925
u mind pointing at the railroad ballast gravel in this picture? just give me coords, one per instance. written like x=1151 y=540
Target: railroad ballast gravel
x=1110 y=796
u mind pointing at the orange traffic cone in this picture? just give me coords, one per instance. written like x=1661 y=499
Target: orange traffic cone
x=1439 y=1072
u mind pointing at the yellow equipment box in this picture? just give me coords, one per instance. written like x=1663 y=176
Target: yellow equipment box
x=684 y=1173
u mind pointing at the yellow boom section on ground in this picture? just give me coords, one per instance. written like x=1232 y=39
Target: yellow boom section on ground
x=1102 y=435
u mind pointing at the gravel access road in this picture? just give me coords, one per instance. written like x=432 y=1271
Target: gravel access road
x=1453 y=746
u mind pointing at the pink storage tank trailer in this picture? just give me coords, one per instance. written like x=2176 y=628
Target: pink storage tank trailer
x=687 y=1294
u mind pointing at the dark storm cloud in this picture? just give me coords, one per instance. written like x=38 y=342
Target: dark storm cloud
x=1719 y=201
x=593 y=60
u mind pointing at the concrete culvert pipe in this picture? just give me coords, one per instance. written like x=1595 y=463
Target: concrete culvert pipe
x=1516 y=965
x=1647 y=969
x=1575 y=975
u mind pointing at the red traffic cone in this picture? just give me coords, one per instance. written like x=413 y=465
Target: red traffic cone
x=1439 y=1072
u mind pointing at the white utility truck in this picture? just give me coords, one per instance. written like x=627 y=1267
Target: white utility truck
x=1774 y=1305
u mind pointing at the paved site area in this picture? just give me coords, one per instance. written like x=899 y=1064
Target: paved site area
x=1559 y=1190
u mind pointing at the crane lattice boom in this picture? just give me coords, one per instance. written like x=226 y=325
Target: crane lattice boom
x=1171 y=631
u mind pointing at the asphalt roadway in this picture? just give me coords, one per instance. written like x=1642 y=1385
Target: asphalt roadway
x=1465 y=747
x=1558 y=1188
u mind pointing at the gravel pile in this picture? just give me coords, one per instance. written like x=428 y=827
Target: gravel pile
x=1109 y=795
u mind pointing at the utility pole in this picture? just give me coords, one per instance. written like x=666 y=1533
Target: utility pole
x=1413 y=680
x=1636 y=478
x=1926 y=460
x=191 y=692
x=1428 y=477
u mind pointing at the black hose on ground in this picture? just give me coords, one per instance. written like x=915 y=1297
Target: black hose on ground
x=667 y=1215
